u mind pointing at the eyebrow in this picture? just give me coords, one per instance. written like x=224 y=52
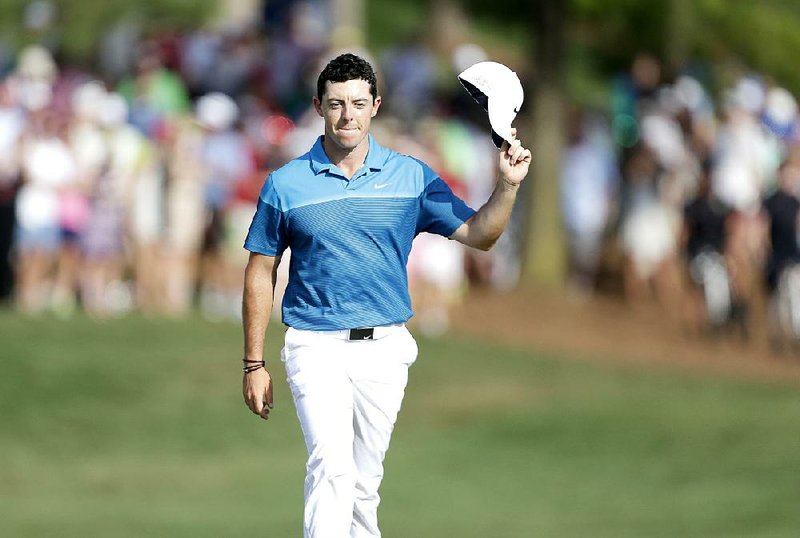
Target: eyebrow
x=356 y=100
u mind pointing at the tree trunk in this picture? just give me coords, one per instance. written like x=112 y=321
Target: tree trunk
x=680 y=29
x=543 y=247
x=348 y=18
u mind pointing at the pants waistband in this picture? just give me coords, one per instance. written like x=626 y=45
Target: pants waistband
x=363 y=333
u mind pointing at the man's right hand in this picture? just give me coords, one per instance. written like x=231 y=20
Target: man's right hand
x=257 y=392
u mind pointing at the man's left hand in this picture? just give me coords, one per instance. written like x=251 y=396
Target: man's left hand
x=514 y=161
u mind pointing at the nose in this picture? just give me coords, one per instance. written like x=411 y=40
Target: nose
x=347 y=112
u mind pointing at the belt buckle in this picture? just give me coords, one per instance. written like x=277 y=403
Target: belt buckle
x=362 y=334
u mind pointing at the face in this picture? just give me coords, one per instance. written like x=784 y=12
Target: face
x=348 y=109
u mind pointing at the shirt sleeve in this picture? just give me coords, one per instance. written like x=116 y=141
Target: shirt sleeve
x=441 y=211
x=267 y=234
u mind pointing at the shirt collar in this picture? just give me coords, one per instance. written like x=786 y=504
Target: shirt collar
x=376 y=156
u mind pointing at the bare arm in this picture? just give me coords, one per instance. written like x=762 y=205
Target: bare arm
x=259 y=288
x=488 y=224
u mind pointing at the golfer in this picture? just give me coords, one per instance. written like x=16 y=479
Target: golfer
x=349 y=210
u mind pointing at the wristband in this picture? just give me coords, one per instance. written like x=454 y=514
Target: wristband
x=253 y=367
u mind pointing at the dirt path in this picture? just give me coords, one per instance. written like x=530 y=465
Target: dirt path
x=607 y=329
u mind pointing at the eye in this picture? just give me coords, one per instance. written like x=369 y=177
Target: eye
x=335 y=105
x=361 y=104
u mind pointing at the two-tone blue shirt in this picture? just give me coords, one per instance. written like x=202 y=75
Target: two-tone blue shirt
x=350 y=239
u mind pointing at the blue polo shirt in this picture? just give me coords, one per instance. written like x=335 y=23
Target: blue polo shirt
x=350 y=240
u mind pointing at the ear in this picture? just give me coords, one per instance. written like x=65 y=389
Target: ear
x=376 y=104
x=317 y=105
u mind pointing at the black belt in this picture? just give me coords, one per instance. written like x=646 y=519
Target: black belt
x=367 y=333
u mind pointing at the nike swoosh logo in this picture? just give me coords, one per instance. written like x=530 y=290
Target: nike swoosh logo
x=381 y=186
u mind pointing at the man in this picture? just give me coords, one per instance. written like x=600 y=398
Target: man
x=349 y=210
x=703 y=241
x=782 y=212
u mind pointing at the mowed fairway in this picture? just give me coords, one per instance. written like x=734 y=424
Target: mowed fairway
x=136 y=428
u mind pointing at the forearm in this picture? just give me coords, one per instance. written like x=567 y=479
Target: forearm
x=259 y=287
x=488 y=224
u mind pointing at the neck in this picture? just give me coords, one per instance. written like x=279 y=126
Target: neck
x=347 y=160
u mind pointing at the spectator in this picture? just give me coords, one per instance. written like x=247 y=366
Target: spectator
x=156 y=95
x=226 y=159
x=12 y=124
x=47 y=166
x=185 y=217
x=136 y=171
x=782 y=212
x=703 y=240
x=649 y=232
x=589 y=180
x=741 y=175
x=90 y=152
x=410 y=72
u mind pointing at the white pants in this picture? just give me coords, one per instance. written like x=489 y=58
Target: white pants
x=347 y=395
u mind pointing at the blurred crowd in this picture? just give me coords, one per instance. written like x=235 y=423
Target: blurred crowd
x=692 y=195
x=130 y=186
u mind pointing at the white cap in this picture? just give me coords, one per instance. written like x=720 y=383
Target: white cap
x=36 y=62
x=748 y=95
x=690 y=93
x=466 y=55
x=114 y=110
x=216 y=111
x=87 y=98
x=780 y=107
x=498 y=90
x=36 y=94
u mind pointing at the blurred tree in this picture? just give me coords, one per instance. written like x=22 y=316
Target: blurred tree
x=543 y=249
x=348 y=23
x=577 y=46
x=680 y=29
x=759 y=35
x=542 y=245
x=76 y=28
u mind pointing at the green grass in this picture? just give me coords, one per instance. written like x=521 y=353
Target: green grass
x=136 y=428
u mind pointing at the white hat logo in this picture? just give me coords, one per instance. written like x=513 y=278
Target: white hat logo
x=498 y=90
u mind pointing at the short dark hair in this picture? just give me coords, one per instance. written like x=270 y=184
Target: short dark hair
x=347 y=67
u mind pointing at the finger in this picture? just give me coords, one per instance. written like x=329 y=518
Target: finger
x=248 y=400
x=513 y=146
x=516 y=154
x=258 y=405
x=266 y=398
x=513 y=133
x=526 y=156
